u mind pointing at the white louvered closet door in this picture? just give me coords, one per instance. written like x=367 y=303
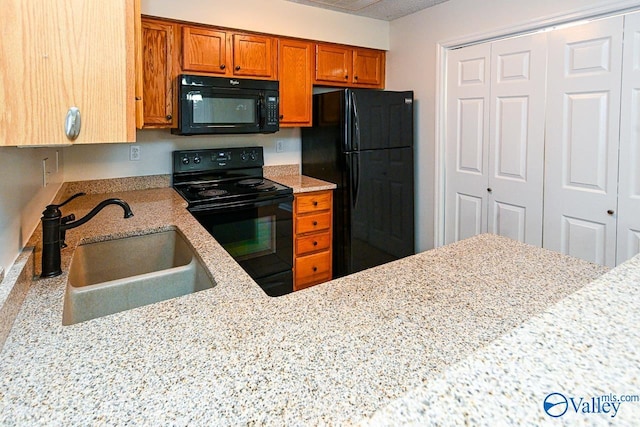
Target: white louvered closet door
x=582 y=134
x=629 y=176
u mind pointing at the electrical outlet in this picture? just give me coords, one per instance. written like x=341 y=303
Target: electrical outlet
x=134 y=153
x=279 y=146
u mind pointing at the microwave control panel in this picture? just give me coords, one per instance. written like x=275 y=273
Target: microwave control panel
x=272 y=110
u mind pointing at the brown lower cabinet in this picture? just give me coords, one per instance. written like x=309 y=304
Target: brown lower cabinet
x=312 y=227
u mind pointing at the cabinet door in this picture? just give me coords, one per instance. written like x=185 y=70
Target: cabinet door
x=59 y=54
x=295 y=66
x=158 y=72
x=204 y=50
x=254 y=56
x=368 y=67
x=467 y=148
x=629 y=181
x=582 y=138
x=333 y=64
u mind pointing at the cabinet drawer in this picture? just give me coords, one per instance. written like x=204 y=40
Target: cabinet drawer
x=313 y=243
x=313 y=269
x=309 y=223
x=320 y=201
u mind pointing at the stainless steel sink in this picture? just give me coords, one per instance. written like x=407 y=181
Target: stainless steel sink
x=116 y=275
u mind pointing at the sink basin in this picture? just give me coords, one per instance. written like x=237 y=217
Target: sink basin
x=116 y=275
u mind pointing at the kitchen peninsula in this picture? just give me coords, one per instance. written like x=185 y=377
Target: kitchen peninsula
x=332 y=354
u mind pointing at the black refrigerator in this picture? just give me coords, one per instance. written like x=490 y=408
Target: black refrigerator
x=362 y=140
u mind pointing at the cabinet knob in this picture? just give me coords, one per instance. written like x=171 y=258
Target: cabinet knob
x=169 y=117
x=315 y=243
x=355 y=78
x=346 y=76
x=222 y=66
x=611 y=212
x=281 y=116
x=315 y=269
x=315 y=223
x=237 y=68
x=489 y=190
x=315 y=203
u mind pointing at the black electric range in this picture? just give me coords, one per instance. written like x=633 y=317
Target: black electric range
x=249 y=215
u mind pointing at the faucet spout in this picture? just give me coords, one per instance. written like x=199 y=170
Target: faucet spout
x=124 y=205
x=54 y=227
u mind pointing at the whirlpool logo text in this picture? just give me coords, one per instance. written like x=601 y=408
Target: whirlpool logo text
x=557 y=404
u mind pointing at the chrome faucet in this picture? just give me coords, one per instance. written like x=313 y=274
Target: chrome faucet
x=55 y=226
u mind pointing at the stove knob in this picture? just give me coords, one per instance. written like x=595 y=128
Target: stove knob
x=253 y=156
x=185 y=160
x=196 y=159
x=243 y=156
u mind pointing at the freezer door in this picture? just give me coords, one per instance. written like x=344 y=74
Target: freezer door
x=379 y=119
x=382 y=213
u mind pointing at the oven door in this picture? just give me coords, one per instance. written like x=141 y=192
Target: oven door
x=259 y=236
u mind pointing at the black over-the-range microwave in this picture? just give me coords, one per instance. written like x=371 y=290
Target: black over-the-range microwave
x=219 y=105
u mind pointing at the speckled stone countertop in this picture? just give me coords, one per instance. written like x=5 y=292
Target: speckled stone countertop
x=586 y=348
x=304 y=184
x=332 y=354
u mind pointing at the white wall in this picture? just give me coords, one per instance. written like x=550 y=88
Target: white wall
x=276 y=17
x=412 y=64
x=83 y=162
x=22 y=196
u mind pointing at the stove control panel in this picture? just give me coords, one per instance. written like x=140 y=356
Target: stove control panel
x=212 y=159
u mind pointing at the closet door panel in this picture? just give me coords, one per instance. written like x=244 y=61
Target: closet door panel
x=516 y=146
x=582 y=133
x=466 y=152
x=629 y=175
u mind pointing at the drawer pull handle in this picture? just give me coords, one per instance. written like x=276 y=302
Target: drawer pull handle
x=315 y=269
x=315 y=243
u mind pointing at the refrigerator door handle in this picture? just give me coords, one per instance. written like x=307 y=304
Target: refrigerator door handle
x=355 y=178
x=355 y=144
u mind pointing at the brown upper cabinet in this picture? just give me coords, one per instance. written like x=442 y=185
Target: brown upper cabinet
x=158 y=70
x=205 y=50
x=226 y=53
x=172 y=47
x=58 y=60
x=295 y=67
x=348 y=66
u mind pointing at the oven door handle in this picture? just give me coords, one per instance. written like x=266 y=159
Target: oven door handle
x=234 y=206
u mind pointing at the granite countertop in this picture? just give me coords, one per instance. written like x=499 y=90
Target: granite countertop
x=332 y=354
x=585 y=348
x=304 y=184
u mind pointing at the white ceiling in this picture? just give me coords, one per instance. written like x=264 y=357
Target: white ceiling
x=386 y=10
